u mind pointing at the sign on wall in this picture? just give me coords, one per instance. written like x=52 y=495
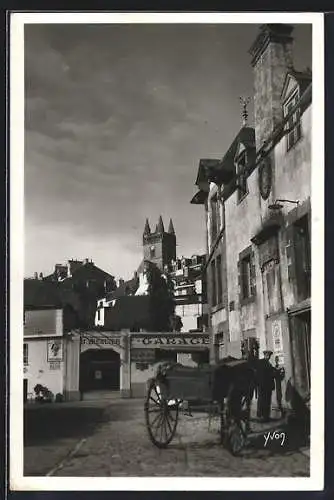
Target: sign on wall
x=145 y=355
x=276 y=329
x=54 y=365
x=95 y=340
x=55 y=350
x=170 y=341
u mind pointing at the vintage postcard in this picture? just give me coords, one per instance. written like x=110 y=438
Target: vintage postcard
x=167 y=240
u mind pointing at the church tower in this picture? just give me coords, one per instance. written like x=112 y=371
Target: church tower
x=159 y=246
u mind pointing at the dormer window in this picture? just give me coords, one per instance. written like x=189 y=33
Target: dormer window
x=293 y=125
x=152 y=252
x=241 y=168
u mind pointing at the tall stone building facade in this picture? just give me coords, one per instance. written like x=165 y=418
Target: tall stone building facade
x=258 y=212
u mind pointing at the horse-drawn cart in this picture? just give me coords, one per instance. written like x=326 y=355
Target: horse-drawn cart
x=224 y=390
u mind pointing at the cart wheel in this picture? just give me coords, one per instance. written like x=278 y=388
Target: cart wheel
x=161 y=415
x=236 y=438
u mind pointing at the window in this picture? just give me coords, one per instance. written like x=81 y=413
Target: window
x=303 y=258
x=293 y=126
x=242 y=175
x=152 y=252
x=213 y=284
x=247 y=276
x=25 y=354
x=215 y=217
x=219 y=280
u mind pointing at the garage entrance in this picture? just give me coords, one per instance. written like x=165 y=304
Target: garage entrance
x=100 y=370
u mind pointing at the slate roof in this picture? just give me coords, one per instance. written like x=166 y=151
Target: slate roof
x=85 y=272
x=47 y=294
x=222 y=171
x=129 y=287
x=245 y=136
x=304 y=78
x=130 y=312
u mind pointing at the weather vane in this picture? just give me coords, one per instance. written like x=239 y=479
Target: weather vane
x=244 y=103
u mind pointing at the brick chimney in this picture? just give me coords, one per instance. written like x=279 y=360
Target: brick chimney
x=271 y=58
x=73 y=265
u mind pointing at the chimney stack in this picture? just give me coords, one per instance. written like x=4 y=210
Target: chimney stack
x=271 y=59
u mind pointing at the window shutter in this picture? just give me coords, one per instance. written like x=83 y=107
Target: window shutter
x=252 y=275
x=290 y=255
x=298 y=130
x=240 y=281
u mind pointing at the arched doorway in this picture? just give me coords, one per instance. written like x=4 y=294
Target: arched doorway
x=99 y=370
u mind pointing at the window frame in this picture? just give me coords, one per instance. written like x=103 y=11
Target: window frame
x=303 y=275
x=152 y=252
x=241 y=170
x=219 y=279
x=293 y=125
x=215 y=217
x=25 y=354
x=247 y=257
x=213 y=283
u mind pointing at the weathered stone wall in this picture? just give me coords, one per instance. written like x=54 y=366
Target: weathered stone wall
x=291 y=181
x=269 y=75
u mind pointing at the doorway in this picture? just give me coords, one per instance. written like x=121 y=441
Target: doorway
x=25 y=390
x=100 y=370
x=301 y=351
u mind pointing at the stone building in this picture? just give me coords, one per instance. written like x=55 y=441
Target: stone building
x=190 y=292
x=49 y=354
x=87 y=280
x=258 y=212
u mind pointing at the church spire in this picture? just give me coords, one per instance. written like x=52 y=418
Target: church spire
x=171 y=227
x=160 y=226
x=147 y=229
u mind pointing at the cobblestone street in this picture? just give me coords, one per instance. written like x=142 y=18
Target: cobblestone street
x=118 y=445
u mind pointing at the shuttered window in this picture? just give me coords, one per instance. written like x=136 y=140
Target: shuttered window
x=213 y=284
x=215 y=217
x=293 y=125
x=247 y=277
x=219 y=280
x=25 y=353
x=242 y=175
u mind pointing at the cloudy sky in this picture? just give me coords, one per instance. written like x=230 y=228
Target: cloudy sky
x=117 y=118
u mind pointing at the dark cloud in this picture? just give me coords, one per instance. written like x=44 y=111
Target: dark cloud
x=117 y=118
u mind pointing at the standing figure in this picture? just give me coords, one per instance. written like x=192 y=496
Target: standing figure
x=279 y=376
x=266 y=384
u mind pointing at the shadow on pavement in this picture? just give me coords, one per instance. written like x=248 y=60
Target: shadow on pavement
x=46 y=423
x=282 y=438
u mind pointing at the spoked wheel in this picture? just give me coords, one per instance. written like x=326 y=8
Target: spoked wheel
x=236 y=437
x=237 y=428
x=161 y=415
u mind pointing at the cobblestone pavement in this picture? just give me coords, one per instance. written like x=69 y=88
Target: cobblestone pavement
x=120 y=446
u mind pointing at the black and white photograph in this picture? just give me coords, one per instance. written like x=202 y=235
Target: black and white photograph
x=167 y=240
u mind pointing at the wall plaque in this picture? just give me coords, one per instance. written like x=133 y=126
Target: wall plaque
x=265 y=177
x=276 y=329
x=54 y=365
